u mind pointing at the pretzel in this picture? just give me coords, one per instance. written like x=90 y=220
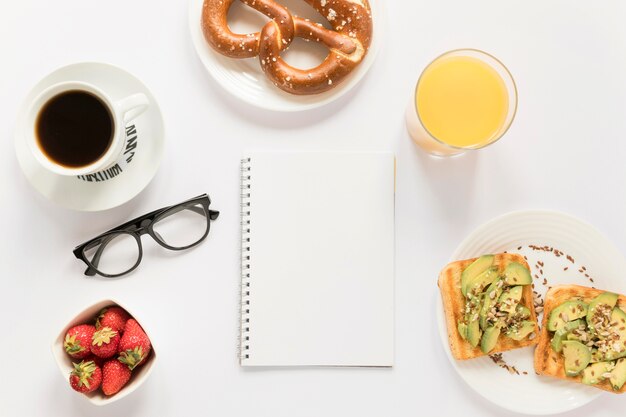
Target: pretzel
x=348 y=43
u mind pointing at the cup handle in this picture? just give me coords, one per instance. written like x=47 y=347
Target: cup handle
x=132 y=106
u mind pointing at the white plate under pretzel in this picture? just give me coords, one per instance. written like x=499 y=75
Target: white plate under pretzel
x=244 y=78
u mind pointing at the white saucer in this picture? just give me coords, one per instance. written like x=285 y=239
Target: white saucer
x=533 y=394
x=136 y=167
x=244 y=78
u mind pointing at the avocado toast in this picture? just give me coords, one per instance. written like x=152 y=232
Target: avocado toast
x=583 y=337
x=488 y=305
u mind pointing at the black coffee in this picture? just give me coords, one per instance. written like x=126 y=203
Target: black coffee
x=74 y=129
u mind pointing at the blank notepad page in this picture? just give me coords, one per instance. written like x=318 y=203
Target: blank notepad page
x=317 y=259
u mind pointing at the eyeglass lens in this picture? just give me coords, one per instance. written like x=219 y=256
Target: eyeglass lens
x=114 y=254
x=182 y=226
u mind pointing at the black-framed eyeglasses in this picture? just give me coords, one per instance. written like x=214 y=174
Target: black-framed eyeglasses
x=119 y=251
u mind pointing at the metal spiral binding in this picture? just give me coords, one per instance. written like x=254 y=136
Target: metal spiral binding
x=244 y=330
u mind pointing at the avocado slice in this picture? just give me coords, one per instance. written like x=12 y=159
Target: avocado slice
x=522 y=311
x=488 y=301
x=566 y=333
x=566 y=312
x=510 y=299
x=473 y=333
x=618 y=318
x=557 y=340
x=522 y=331
x=476 y=268
x=489 y=339
x=516 y=274
x=576 y=337
x=618 y=326
x=595 y=373
x=577 y=357
x=562 y=334
x=607 y=298
x=478 y=283
x=462 y=328
x=618 y=375
x=595 y=356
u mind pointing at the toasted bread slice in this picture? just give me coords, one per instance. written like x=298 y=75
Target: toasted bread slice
x=547 y=361
x=454 y=303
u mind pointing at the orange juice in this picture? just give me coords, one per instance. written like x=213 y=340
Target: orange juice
x=462 y=101
x=465 y=99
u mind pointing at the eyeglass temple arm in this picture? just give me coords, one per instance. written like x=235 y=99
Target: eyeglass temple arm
x=213 y=214
x=138 y=220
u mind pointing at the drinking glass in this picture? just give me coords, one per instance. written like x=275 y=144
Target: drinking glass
x=464 y=99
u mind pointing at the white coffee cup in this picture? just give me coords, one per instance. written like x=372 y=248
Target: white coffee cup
x=121 y=111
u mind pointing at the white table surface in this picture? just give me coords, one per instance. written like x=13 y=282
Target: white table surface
x=565 y=151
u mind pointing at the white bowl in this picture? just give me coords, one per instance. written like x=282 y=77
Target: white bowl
x=88 y=315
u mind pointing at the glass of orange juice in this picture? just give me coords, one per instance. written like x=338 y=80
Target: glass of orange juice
x=465 y=99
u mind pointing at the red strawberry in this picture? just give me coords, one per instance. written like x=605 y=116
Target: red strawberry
x=85 y=377
x=114 y=376
x=78 y=340
x=113 y=317
x=134 y=345
x=105 y=342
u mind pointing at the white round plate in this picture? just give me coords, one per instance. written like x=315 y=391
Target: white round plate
x=135 y=168
x=514 y=232
x=244 y=78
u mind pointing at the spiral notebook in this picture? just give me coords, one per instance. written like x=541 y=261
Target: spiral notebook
x=317 y=269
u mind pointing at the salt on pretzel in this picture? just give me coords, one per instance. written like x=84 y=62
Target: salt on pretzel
x=348 y=43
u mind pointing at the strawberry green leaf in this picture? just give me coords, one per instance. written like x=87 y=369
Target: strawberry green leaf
x=84 y=371
x=100 y=316
x=71 y=345
x=104 y=335
x=131 y=357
